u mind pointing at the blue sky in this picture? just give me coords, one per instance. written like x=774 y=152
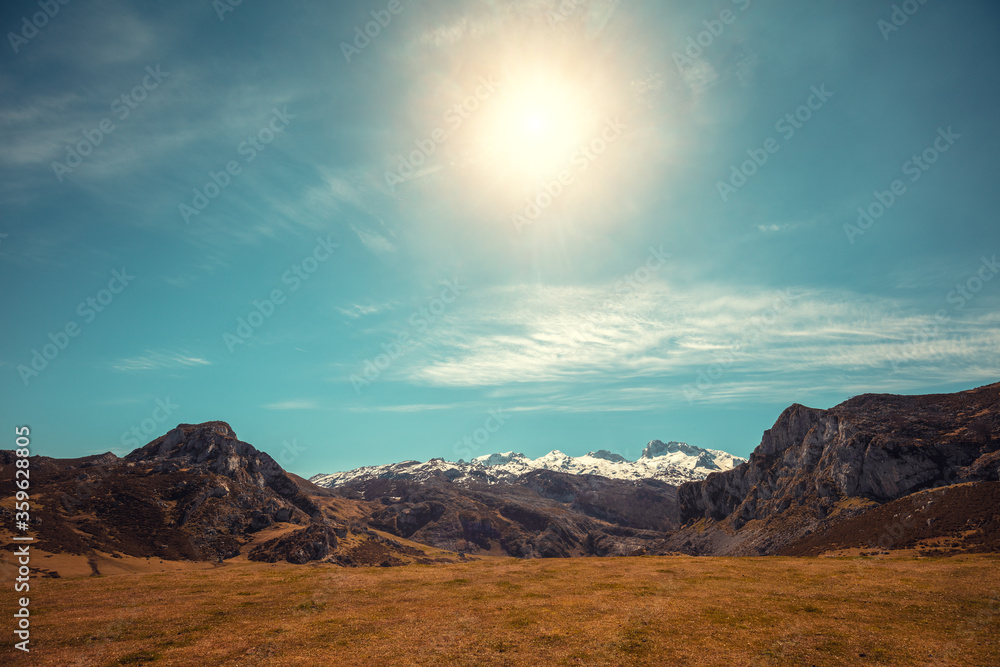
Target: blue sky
x=607 y=222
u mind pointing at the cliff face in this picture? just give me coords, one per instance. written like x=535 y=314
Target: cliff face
x=873 y=447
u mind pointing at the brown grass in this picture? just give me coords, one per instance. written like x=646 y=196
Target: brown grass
x=673 y=610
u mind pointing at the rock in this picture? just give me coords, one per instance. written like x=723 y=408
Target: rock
x=309 y=544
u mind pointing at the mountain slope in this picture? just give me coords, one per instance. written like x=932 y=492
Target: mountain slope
x=196 y=493
x=542 y=513
x=672 y=463
x=814 y=468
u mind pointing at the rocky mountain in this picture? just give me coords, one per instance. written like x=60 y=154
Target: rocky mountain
x=196 y=493
x=820 y=478
x=671 y=463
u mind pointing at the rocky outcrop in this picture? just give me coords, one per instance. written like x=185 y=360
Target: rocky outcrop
x=876 y=447
x=405 y=520
x=301 y=546
x=214 y=447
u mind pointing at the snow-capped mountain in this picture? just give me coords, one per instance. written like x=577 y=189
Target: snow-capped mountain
x=671 y=462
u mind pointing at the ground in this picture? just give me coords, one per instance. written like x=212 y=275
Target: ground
x=668 y=610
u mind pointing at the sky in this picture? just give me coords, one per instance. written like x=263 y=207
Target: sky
x=384 y=230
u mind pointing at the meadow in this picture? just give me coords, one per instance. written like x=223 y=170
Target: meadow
x=671 y=610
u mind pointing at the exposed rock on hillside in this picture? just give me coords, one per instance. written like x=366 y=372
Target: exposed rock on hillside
x=877 y=447
x=213 y=448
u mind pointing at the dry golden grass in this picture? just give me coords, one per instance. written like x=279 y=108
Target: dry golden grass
x=613 y=611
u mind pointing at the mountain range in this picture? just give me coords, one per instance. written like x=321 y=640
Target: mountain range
x=879 y=472
x=671 y=462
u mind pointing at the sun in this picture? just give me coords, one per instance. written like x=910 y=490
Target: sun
x=535 y=125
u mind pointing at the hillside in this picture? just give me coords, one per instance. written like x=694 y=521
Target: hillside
x=196 y=493
x=816 y=468
x=539 y=514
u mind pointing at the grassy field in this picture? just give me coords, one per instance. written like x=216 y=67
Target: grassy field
x=613 y=611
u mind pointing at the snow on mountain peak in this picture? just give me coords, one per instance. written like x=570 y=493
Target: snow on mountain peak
x=672 y=462
x=498 y=459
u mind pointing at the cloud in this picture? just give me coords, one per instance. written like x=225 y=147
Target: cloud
x=159 y=360
x=293 y=404
x=699 y=76
x=752 y=344
x=593 y=15
x=461 y=29
x=416 y=407
x=357 y=310
x=374 y=241
x=773 y=228
x=118 y=402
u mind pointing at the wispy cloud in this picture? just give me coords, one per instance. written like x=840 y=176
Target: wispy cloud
x=774 y=228
x=159 y=360
x=118 y=402
x=374 y=241
x=358 y=310
x=293 y=404
x=699 y=76
x=415 y=407
x=663 y=337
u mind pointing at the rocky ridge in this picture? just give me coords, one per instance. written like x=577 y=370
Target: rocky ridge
x=816 y=467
